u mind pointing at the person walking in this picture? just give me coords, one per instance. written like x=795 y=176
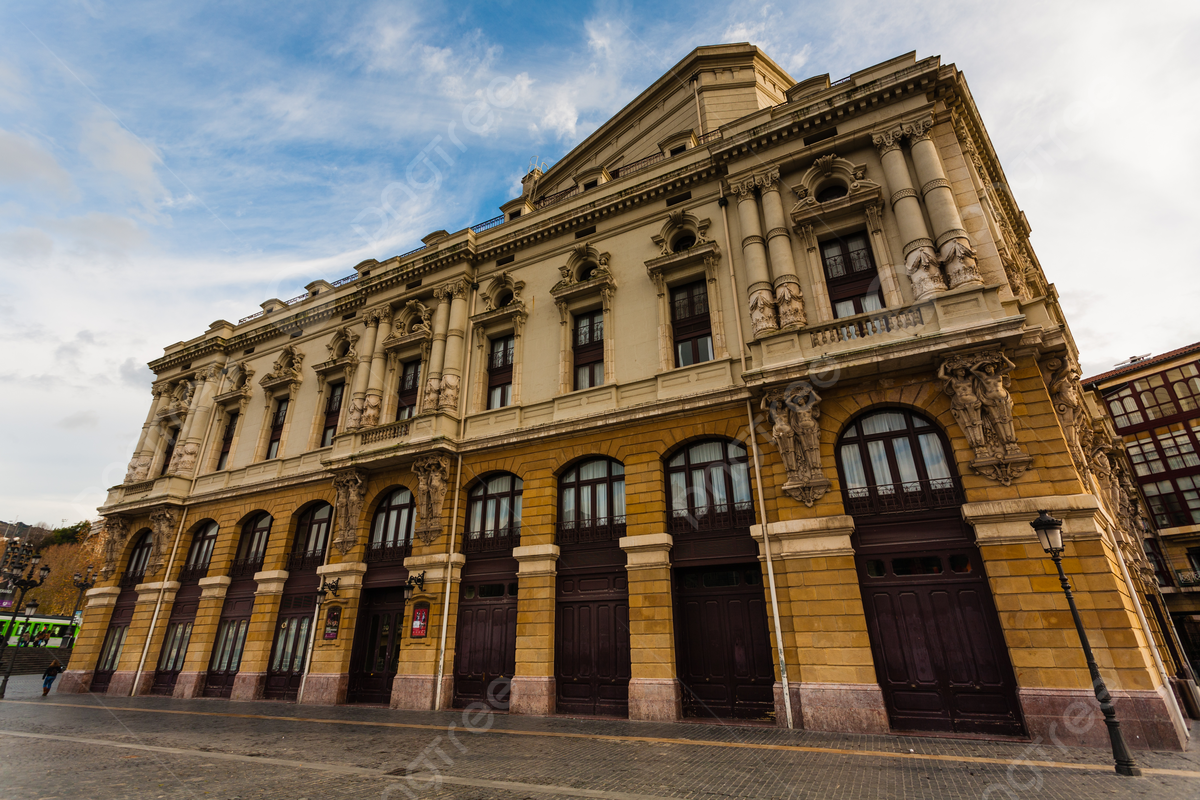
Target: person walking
x=49 y=675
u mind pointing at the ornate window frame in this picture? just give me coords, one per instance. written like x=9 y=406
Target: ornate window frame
x=494 y=322
x=287 y=373
x=241 y=378
x=411 y=338
x=667 y=271
x=573 y=296
x=327 y=372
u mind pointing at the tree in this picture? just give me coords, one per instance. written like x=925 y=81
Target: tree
x=57 y=596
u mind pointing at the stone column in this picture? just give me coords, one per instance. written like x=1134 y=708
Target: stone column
x=143 y=454
x=373 y=402
x=200 y=378
x=953 y=244
x=437 y=351
x=328 y=678
x=533 y=686
x=97 y=612
x=920 y=261
x=415 y=688
x=256 y=654
x=788 y=296
x=197 y=425
x=654 y=692
x=758 y=275
x=455 y=336
x=362 y=373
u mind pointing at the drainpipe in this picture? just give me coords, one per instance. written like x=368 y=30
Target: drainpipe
x=312 y=640
x=696 y=96
x=462 y=398
x=158 y=605
x=737 y=314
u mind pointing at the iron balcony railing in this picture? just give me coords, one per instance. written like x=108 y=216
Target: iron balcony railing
x=132 y=578
x=193 y=572
x=589 y=531
x=489 y=541
x=725 y=517
x=488 y=224
x=1188 y=578
x=306 y=560
x=246 y=567
x=386 y=552
x=901 y=498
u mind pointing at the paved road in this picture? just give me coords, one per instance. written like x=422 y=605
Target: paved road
x=84 y=747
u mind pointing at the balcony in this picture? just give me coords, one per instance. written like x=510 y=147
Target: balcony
x=388 y=552
x=306 y=561
x=246 y=567
x=492 y=541
x=590 y=531
x=712 y=519
x=903 y=498
x=1188 y=579
x=193 y=572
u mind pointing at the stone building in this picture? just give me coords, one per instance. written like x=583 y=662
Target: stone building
x=1155 y=407
x=741 y=409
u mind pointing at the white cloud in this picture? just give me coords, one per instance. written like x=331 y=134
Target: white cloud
x=23 y=161
x=80 y=419
x=113 y=149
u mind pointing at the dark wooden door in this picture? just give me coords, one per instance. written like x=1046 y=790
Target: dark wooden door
x=376 y=646
x=591 y=644
x=289 y=653
x=722 y=643
x=939 y=652
x=227 y=649
x=485 y=656
x=175 y=645
x=114 y=640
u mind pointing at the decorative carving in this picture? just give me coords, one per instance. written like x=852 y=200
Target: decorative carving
x=824 y=164
x=922 y=269
x=448 y=399
x=790 y=300
x=1016 y=276
x=747 y=186
x=676 y=222
x=355 y=415
x=503 y=282
x=797 y=433
x=1067 y=394
x=349 y=338
x=983 y=408
x=433 y=475
x=162 y=527
x=433 y=388
x=139 y=467
x=183 y=461
x=286 y=369
x=115 y=530
x=420 y=318
x=351 y=487
x=919 y=129
x=958 y=260
x=370 y=411
x=762 y=311
x=886 y=141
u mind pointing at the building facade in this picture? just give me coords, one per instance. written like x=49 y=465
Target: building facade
x=1155 y=407
x=742 y=409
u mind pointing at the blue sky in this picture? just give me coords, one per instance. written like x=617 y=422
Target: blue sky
x=163 y=165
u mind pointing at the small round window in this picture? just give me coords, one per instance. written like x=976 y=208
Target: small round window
x=684 y=241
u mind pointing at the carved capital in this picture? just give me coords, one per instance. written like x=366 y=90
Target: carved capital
x=918 y=130
x=887 y=141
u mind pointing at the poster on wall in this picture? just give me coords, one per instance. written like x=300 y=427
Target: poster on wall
x=333 y=621
x=420 y=620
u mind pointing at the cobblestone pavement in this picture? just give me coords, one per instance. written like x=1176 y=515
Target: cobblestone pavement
x=85 y=747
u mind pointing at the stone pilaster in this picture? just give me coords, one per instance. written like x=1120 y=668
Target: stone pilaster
x=362 y=374
x=143 y=454
x=437 y=350
x=654 y=692
x=533 y=686
x=456 y=333
x=373 y=400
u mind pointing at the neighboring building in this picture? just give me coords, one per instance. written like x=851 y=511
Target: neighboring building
x=542 y=425
x=1155 y=406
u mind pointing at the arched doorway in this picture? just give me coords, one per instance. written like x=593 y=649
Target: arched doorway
x=591 y=620
x=183 y=610
x=376 y=652
x=722 y=643
x=297 y=607
x=122 y=614
x=939 y=652
x=230 y=640
x=485 y=655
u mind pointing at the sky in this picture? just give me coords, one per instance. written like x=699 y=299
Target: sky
x=164 y=165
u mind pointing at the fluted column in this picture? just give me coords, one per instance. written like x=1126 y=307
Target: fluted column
x=759 y=291
x=373 y=401
x=920 y=261
x=362 y=373
x=437 y=350
x=788 y=296
x=455 y=336
x=950 y=238
x=143 y=454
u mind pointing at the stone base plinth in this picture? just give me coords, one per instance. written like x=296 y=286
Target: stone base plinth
x=1072 y=717
x=781 y=708
x=325 y=689
x=843 y=707
x=144 y=682
x=535 y=696
x=655 y=699
x=75 y=681
x=121 y=684
x=416 y=692
x=248 y=686
x=189 y=685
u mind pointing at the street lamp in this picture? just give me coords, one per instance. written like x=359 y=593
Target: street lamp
x=15 y=561
x=1050 y=535
x=413 y=582
x=82 y=583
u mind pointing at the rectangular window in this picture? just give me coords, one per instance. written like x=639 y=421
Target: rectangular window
x=500 y=371
x=410 y=386
x=1172 y=508
x=1177 y=447
x=588 y=349
x=172 y=437
x=277 y=420
x=690 y=324
x=227 y=439
x=333 y=409
x=850 y=275
x=1143 y=455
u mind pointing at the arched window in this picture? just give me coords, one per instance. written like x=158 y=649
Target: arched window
x=392 y=528
x=494 y=514
x=200 y=553
x=893 y=461
x=312 y=534
x=253 y=546
x=709 y=485
x=138 y=560
x=591 y=499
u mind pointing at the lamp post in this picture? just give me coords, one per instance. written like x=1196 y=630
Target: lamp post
x=1050 y=535
x=413 y=582
x=82 y=583
x=15 y=561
